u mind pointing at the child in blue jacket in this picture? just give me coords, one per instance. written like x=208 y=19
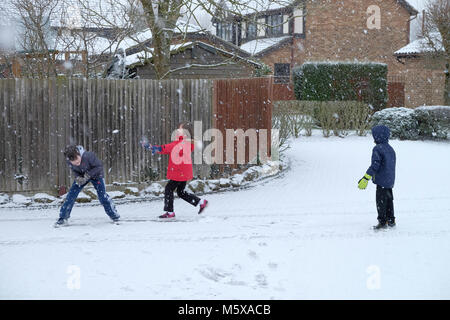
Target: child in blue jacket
x=86 y=168
x=382 y=173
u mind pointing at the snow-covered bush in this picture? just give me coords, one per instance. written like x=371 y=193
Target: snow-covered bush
x=401 y=121
x=430 y=126
x=414 y=124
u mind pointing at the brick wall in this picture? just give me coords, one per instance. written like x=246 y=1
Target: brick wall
x=281 y=55
x=338 y=30
x=424 y=81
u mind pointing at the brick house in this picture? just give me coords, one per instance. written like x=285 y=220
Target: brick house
x=424 y=71
x=334 y=30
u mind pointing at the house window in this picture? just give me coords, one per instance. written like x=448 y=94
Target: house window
x=251 y=30
x=274 y=25
x=225 y=31
x=282 y=72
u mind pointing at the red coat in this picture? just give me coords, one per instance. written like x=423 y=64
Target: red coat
x=180 y=162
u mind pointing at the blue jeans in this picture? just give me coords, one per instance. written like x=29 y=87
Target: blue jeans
x=105 y=200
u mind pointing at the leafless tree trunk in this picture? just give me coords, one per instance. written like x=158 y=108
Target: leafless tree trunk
x=161 y=17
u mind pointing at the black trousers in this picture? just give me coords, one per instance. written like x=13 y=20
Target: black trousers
x=385 y=204
x=179 y=186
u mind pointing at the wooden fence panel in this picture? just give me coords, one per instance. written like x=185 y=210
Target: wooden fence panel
x=109 y=117
x=242 y=104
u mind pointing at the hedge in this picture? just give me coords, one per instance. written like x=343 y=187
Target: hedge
x=342 y=81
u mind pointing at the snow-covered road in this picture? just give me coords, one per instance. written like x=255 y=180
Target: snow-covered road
x=304 y=235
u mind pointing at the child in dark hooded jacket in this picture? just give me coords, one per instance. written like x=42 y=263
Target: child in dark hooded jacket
x=382 y=173
x=87 y=168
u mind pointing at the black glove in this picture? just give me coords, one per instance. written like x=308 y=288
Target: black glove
x=82 y=180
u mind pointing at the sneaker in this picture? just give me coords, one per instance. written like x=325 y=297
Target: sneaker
x=380 y=226
x=61 y=222
x=167 y=215
x=203 y=206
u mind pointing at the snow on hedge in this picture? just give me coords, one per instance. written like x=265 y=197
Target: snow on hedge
x=412 y=124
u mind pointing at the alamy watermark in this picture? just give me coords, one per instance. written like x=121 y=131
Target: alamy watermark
x=374 y=17
x=234 y=148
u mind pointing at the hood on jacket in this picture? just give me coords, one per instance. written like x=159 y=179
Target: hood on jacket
x=81 y=150
x=381 y=134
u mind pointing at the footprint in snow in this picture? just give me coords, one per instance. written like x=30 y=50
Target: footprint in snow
x=272 y=265
x=225 y=277
x=253 y=254
x=261 y=280
x=214 y=274
x=126 y=288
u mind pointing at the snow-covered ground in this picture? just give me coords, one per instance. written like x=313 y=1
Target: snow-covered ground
x=304 y=235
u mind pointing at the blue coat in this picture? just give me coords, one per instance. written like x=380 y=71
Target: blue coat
x=382 y=168
x=90 y=164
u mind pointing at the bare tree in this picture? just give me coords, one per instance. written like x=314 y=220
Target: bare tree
x=89 y=44
x=436 y=31
x=158 y=20
x=33 y=18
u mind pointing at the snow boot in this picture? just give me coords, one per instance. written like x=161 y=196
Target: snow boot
x=391 y=223
x=203 y=206
x=116 y=219
x=167 y=215
x=380 y=226
x=61 y=222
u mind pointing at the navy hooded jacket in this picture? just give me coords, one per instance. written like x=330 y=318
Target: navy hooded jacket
x=90 y=164
x=382 y=168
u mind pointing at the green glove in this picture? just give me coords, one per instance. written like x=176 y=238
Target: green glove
x=362 y=183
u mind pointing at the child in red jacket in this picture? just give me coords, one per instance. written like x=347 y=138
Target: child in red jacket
x=179 y=170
